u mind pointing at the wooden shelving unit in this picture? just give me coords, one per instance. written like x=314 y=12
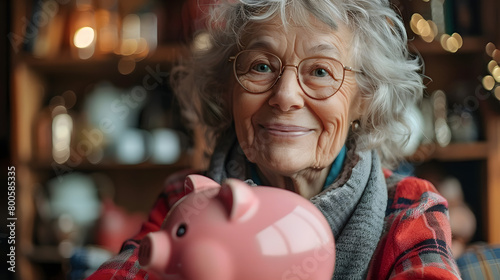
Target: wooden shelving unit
x=33 y=81
x=452 y=152
x=67 y=64
x=454 y=71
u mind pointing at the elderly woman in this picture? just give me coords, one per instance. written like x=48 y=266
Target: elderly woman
x=311 y=96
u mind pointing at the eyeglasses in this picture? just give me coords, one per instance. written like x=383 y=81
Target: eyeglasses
x=319 y=77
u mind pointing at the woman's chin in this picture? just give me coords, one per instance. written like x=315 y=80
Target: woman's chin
x=283 y=164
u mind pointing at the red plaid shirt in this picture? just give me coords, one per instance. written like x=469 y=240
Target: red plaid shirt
x=415 y=244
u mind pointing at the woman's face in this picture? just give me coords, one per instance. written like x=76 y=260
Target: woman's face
x=283 y=130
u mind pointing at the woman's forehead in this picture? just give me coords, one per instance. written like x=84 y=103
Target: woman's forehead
x=273 y=36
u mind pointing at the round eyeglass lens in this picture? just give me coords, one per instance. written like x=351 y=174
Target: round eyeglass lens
x=320 y=77
x=257 y=71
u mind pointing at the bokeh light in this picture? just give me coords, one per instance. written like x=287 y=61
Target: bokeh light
x=126 y=65
x=488 y=82
x=490 y=47
x=491 y=65
x=84 y=37
x=496 y=55
x=497 y=92
x=496 y=73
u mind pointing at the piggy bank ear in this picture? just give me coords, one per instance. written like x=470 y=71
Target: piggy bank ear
x=197 y=183
x=239 y=199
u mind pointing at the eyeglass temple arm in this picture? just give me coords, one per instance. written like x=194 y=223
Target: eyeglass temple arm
x=349 y=68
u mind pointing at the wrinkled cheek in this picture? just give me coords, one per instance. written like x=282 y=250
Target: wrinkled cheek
x=329 y=145
x=246 y=139
x=250 y=146
x=255 y=144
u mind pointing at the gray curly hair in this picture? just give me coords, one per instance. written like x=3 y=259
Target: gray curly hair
x=391 y=80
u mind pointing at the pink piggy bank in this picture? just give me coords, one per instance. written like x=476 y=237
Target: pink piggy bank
x=238 y=232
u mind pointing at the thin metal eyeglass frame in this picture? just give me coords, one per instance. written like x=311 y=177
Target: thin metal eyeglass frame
x=344 y=68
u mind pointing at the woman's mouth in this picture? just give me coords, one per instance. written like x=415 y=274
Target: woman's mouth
x=282 y=130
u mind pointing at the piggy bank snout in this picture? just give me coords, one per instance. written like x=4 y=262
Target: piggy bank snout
x=155 y=251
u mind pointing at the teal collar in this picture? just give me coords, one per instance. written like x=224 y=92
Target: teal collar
x=336 y=168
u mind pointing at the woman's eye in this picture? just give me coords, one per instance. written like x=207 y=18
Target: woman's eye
x=320 y=72
x=262 y=67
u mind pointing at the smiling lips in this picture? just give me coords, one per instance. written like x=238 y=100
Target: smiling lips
x=286 y=130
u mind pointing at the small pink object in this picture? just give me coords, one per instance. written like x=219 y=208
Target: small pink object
x=238 y=232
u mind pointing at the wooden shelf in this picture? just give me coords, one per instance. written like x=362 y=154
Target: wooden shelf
x=66 y=64
x=183 y=162
x=452 y=152
x=45 y=254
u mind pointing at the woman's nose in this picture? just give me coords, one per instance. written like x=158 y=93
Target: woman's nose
x=287 y=94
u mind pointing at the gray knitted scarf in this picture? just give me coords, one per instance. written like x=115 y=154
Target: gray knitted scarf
x=354 y=204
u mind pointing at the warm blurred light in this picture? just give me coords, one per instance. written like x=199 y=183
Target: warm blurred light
x=415 y=18
x=439 y=100
x=434 y=28
x=452 y=44
x=84 y=37
x=496 y=55
x=427 y=29
x=443 y=40
x=423 y=27
x=488 y=82
x=107 y=30
x=496 y=73
x=129 y=46
x=139 y=35
x=490 y=47
x=497 y=92
x=142 y=49
x=126 y=65
x=443 y=133
x=201 y=42
x=429 y=32
x=83 y=32
x=131 y=33
x=491 y=65
x=459 y=39
x=85 y=53
x=62 y=128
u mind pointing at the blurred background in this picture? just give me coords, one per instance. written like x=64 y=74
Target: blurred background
x=89 y=121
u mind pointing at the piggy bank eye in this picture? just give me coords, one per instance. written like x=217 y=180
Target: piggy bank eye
x=181 y=230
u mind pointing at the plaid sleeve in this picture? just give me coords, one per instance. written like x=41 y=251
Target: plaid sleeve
x=417 y=235
x=126 y=264
x=480 y=261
